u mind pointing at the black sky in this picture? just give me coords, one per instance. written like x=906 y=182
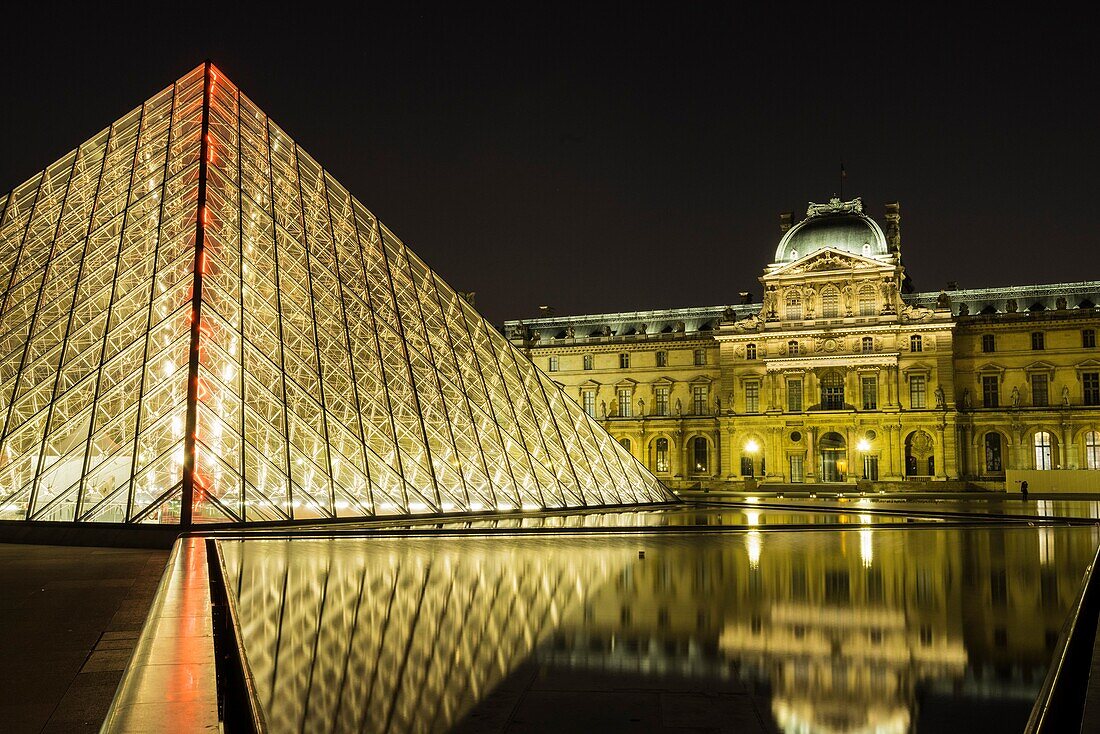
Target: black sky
x=630 y=156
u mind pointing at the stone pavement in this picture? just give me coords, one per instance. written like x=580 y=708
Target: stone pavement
x=69 y=620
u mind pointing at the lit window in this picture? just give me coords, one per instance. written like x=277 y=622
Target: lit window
x=792 y=348
x=993 y=452
x=662 y=359
x=989 y=343
x=700 y=357
x=660 y=402
x=915 y=343
x=990 y=391
x=1038 y=340
x=624 y=403
x=553 y=364
x=867 y=344
x=832 y=391
x=624 y=361
x=699 y=399
x=918 y=388
x=588 y=399
x=869 y=387
x=1090 y=388
x=700 y=454
x=752 y=397
x=750 y=351
x=1092 y=450
x=830 y=303
x=794 y=396
x=1088 y=338
x=1043 y=453
x=794 y=307
x=588 y=361
x=867 y=305
x=660 y=455
x=1040 y=390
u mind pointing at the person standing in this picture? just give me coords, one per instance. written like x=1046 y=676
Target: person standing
x=1023 y=489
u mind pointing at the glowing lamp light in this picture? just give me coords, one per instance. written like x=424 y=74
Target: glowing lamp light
x=752 y=446
x=863 y=445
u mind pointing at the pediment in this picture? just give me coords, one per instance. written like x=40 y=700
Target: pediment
x=1040 y=366
x=664 y=382
x=701 y=379
x=829 y=259
x=1088 y=364
x=627 y=382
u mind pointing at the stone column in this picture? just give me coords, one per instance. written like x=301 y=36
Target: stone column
x=716 y=465
x=940 y=452
x=810 y=470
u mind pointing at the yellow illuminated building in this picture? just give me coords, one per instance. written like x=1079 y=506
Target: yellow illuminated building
x=842 y=372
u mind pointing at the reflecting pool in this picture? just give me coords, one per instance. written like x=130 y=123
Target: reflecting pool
x=879 y=629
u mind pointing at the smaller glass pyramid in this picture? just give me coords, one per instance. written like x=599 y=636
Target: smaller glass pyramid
x=198 y=323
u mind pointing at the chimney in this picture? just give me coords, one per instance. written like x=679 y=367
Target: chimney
x=785 y=221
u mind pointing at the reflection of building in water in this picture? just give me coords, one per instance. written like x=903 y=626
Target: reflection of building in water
x=845 y=628
x=398 y=635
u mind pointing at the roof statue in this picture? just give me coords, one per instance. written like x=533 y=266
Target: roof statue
x=200 y=324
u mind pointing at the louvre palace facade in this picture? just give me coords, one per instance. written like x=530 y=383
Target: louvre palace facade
x=843 y=372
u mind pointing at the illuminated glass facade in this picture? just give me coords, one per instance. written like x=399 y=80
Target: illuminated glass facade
x=199 y=324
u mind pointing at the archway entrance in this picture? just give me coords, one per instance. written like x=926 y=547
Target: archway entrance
x=920 y=459
x=834 y=457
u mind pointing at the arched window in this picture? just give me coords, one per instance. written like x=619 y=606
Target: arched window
x=750 y=351
x=993 y=452
x=832 y=391
x=867 y=344
x=700 y=455
x=660 y=455
x=1092 y=450
x=830 y=303
x=1043 y=452
x=792 y=348
x=794 y=306
x=625 y=443
x=916 y=344
x=867 y=305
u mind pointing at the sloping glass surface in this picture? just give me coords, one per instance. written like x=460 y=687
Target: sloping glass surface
x=312 y=368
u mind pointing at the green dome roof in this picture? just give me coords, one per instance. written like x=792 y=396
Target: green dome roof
x=838 y=225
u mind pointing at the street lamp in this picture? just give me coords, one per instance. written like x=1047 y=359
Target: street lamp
x=864 y=446
x=751 y=447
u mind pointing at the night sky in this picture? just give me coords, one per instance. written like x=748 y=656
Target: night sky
x=620 y=158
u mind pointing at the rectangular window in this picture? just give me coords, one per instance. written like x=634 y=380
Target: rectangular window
x=1040 y=390
x=662 y=359
x=588 y=400
x=700 y=357
x=990 y=391
x=624 y=361
x=870 y=393
x=752 y=397
x=624 y=403
x=989 y=343
x=918 y=388
x=798 y=475
x=1088 y=338
x=660 y=402
x=699 y=399
x=1037 y=340
x=553 y=364
x=1090 y=384
x=588 y=361
x=794 y=396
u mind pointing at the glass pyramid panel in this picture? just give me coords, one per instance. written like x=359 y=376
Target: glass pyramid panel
x=199 y=324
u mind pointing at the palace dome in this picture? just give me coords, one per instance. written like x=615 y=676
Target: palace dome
x=840 y=225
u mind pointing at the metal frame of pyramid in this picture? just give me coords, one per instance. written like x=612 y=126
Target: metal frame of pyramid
x=199 y=324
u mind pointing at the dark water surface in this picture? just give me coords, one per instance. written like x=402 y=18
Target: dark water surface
x=880 y=629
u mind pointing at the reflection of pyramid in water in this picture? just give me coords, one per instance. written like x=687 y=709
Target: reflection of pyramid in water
x=329 y=372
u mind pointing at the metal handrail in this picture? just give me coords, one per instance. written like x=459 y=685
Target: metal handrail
x=1060 y=706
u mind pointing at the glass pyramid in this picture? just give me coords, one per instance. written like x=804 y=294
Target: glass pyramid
x=199 y=324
